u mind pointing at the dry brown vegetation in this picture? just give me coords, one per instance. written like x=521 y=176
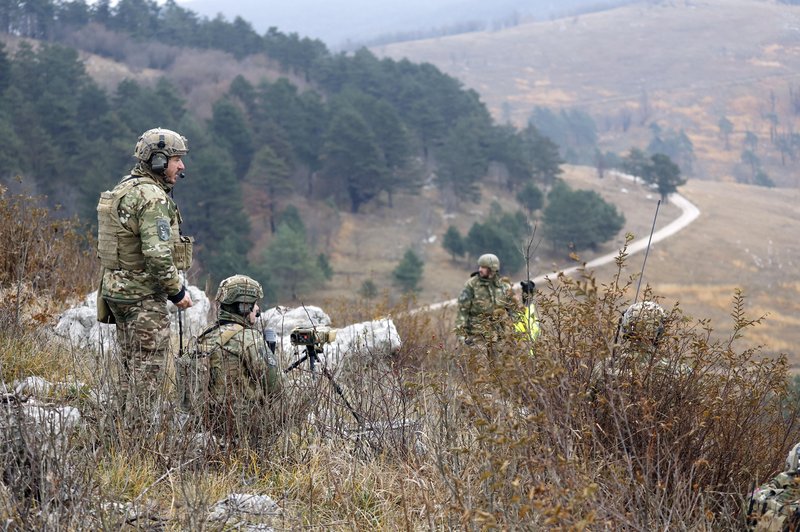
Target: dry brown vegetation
x=744 y=239
x=588 y=433
x=43 y=260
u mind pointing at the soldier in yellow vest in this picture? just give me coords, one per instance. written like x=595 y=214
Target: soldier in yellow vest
x=528 y=321
x=142 y=253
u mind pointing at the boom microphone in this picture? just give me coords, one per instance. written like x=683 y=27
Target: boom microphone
x=181 y=175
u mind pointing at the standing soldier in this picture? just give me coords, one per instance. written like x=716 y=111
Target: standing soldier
x=486 y=303
x=141 y=252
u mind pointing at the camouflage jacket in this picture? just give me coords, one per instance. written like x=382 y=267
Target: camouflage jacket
x=484 y=306
x=243 y=369
x=152 y=221
x=775 y=506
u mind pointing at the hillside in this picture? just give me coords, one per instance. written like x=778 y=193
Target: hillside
x=682 y=65
x=369 y=245
x=734 y=244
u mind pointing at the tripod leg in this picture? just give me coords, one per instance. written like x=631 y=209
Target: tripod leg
x=340 y=392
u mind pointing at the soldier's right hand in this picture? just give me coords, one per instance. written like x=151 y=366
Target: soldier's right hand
x=184 y=303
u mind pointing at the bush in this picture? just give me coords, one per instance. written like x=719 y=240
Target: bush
x=587 y=434
x=582 y=436
x=43 y=259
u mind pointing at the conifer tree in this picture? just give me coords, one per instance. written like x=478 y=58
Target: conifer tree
x=408 y=273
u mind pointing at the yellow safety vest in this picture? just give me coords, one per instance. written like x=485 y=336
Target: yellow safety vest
x=528 y=323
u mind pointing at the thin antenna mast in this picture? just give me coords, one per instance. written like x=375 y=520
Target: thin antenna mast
x=647 y=252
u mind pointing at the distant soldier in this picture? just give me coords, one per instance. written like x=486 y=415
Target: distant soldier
x=528 y=320
x=141 y=252
x=775 y=506
x=243 y=378
x=642 y=326
x=486 y=304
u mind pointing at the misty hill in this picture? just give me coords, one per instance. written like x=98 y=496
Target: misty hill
x=345 y=23
x=722 y=73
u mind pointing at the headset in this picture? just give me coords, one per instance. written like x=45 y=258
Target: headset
x=159 y=160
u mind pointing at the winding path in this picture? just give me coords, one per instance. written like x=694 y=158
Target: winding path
x=689 y=213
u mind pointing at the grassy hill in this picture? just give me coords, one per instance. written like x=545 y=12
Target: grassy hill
x=744 y=238
x=683 y=65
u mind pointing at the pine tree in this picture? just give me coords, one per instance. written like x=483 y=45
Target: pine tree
x=453 y=243
x=408 y=272
x=292 y=267
x=352 y=157
x=229 y=126
x=531 y=198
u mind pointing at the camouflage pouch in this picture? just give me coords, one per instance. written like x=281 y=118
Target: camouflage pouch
x=104 y=314
x=182 y=252
x=193 y=376
x=192 y=381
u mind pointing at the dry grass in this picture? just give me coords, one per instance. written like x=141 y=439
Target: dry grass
x=743 y=239
x=579 y=436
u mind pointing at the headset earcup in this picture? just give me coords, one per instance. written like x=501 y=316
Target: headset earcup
x=158 y=163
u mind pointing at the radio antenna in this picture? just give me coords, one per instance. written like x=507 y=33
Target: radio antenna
x=647 y=252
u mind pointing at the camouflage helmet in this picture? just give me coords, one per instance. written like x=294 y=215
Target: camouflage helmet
x=643 y=320
x=239 y=289
x=488 y=260
x=793 y=458
x=160 y=140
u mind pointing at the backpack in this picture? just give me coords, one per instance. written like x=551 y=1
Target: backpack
x=192 y=374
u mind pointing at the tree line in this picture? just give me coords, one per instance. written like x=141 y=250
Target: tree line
x=364 y=129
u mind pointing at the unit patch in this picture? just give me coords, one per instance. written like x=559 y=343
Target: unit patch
x=162 y=225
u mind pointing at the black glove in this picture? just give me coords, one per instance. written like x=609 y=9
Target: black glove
x=527 y=286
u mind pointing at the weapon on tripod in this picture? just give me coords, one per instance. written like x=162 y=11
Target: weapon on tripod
x=313 y=338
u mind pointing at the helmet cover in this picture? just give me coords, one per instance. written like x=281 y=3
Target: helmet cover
x=489 y=260
x=643 y=320
x=239 y=289
x=160 y=140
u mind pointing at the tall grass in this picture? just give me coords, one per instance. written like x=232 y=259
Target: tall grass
x=585 y=434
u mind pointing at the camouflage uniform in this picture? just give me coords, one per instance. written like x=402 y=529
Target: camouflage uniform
x=141 y=251
x=775 y=506
x=485 y=307
x=243 y=375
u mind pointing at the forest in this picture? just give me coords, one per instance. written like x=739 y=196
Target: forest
x=358 y=130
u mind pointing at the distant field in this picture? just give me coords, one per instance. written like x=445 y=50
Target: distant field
x=745 y=237
x=682 y=65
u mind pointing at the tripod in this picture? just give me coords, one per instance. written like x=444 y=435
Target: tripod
x=312 y=355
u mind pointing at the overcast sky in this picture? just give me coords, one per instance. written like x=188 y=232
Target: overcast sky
x=336 y=21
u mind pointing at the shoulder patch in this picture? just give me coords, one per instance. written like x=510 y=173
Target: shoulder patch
x=162 y=225
x=464 y=296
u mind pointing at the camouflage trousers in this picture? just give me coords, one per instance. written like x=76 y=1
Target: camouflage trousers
x=143 y=339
